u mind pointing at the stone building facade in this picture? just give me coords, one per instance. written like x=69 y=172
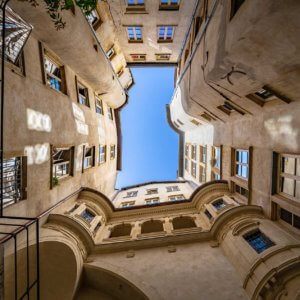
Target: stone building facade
x=228 y=228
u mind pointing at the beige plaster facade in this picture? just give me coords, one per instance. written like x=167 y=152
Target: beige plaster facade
x=149 y=17
x=231 y=230
x=152 y=193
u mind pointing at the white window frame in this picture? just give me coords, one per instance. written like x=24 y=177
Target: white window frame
x=134 y=27
x=238 y=163
x=102 y=155
x=165 y=37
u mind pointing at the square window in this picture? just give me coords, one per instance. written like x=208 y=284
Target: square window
x=87 y=215
x=219 y=204
x=258 y=241
x=110 y=113
x=165 y=33
x=134 y=33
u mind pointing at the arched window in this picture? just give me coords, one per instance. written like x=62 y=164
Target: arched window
x=183 y=222
x=152 y=226
x=121 y=230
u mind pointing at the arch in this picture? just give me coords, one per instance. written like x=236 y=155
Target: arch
x=183 y=222
x=99 y=269
x=152 y=226
x=58 y=264
x=121 y=230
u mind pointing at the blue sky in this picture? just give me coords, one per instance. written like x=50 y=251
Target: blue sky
x=150 y=146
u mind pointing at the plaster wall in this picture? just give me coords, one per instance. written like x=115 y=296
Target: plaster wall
x=187 y=273
x=185 y=189
x=149 y=20
x=68 y=124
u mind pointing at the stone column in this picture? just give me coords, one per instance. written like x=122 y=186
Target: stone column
x=136 y=230
x=168 y=226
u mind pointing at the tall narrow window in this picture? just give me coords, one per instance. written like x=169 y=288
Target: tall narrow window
x=258 y=241
x=61 y=163
x=110 y=113
x=111 y=53
x=14 y=180
x=99 y=105
x=242 y=163
x=134 y=34
x=83 y=95
x=202 y=174
x=53 y=74
x=89 y=157
x=102 y=154
x=194 y=151
x=165 y=33
x=194 y=168
x=203 y=154
x=187 y=150
x=289 y=176
x=112 y=151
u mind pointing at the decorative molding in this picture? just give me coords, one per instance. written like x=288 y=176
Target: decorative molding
x=244 y=225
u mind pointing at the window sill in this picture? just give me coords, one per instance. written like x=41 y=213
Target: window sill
x=168 y=7
x=286 y=202
x=240 y=181
x=135 y=41
x=56 y=91
x=164 y=41
x=135 y=8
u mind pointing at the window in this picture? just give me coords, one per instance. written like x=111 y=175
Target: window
x=195 y=122
x=242 y=163
x=217 y=157
x=202 y=174
x=152 y=226
x=94 y=19
x=219 y=204
x=128 y=204
x=258 y=241
x=264 y=94
x=203 y=154
x=132 y=194
x=186 y=164
x=290 y=218
x=83 y=94
x=99 y=106
x=152 y=191
x=120 y=71
x=14 y=183
x=111 y=53
x=138 y=57
x=207 y=117
x=215 y=176
x=112 y=151
x=61 y=162
x=135 y=5
x=183 y=223
x=110 y=113
x=165 y=33
x=53 y=74
x=152 y=201
x=174 y=188
x=194 y=167
x=87 y=215
x=235 y=5
x=97 y=227
x=163 y=56
x=134 y=34
x=187 y=150
x=194 y=151
x=169 y=4
x=102 y=154
x=176 y=198
x=208 y=214
x=289 y=176
x=89 y=157
x=240 y=190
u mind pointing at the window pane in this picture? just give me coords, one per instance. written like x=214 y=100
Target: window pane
x=288 y=165
x=286 y=216
x=287 y=186
x=296 y=221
